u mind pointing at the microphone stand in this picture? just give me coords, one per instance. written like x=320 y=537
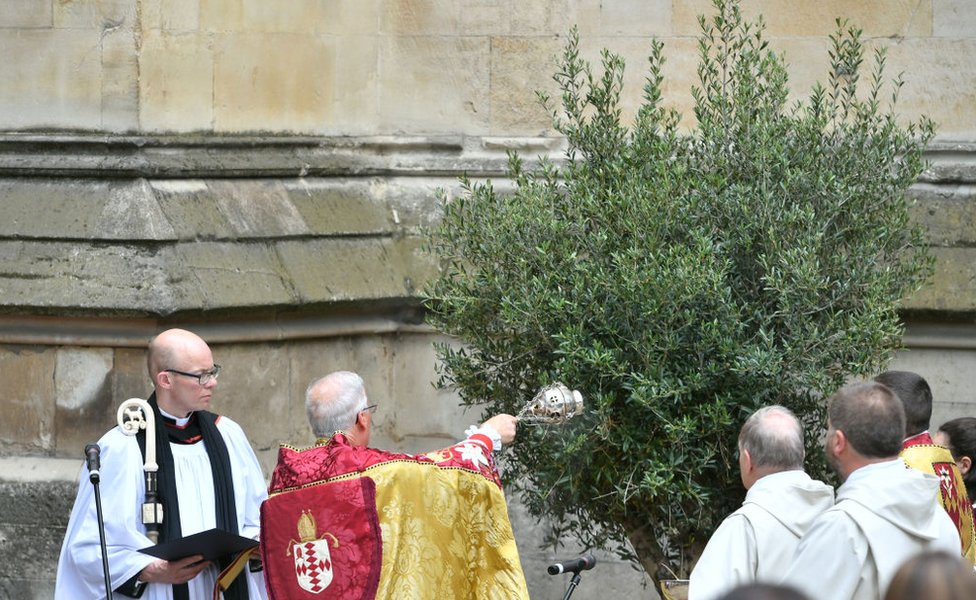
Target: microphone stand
x=94 y=478
x=572 y=585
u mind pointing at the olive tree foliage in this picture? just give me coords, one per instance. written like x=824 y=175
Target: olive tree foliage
x=680 y=279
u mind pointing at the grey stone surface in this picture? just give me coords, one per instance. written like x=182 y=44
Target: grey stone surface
x=290 y=274
x=947 y=212
x=31 y=530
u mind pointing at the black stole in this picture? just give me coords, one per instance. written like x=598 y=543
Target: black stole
x=167 y=490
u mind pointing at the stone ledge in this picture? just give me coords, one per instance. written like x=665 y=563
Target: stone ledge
x=29 y=470
x=189 y=156
x=60 y=155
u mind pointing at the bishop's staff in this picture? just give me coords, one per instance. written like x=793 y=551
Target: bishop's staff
x=135 y=414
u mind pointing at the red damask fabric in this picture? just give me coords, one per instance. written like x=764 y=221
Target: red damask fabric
x=336 y=457
x=319 y=549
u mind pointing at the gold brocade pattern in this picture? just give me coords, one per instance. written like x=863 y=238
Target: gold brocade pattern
x=446 y=534
x=938 y=461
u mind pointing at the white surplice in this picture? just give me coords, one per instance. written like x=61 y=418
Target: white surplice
x=757 y=541
x=885 y=514
x=122 y=489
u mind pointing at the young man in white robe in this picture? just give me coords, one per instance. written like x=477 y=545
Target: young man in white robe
x=885 y=512
x=757 y=541
x=208 y=477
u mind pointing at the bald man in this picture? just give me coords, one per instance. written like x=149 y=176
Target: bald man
x=756 y=542
x=208 y=477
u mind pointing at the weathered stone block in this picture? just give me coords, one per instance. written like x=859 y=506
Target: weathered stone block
x=180 y=15
x=31 y=531
x=486 y=17
x=420 y=17
x=101 y=15
x=176 y=82
x=13 y=14
x=953 y=287
x=520 y=67
x=52 y=78
x=257 y=208
x=28 y=399
x=434 y=84
x=91 y=383
x=351 y=17
x=356 y=93
x=944 y=89
x=414 y=203
x=953 y=18
x=120 y=81
x=50 y=275
x=420 y=409
x=273 y=82
x=221 y=16
x=191 y=209
x=205 y=275
x=555 y=17
x=636 y=17
x=83 y=391
x=254 y=390
x=947 y=213
x=341 y=207
x=354 y=269
x=799 y=18
x=299 y=16
x=75 y=209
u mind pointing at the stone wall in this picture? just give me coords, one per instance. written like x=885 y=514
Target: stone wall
x=261 y=387
x=260 y=172
x=415 y=67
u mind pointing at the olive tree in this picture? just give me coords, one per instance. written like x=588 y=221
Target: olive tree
x=681 y=278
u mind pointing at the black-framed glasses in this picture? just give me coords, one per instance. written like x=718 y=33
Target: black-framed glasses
x=371 y=408
x=203 y=378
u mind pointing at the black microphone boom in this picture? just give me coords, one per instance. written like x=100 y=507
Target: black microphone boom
x=583 y=563
x=92 y=452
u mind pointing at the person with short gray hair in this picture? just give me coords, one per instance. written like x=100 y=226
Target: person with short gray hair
x=885 y=512
x=756 y=542
x=332 y=402
x=400 y=525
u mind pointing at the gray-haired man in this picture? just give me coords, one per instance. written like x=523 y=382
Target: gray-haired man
x=756 y=542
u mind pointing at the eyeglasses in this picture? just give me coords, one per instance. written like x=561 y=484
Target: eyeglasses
x=371 y=408
x=203 y=378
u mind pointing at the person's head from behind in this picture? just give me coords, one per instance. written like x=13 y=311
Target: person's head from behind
x=915 y=395
x=959 y=436
x=764 y=591
x=865 y=424
x=933 y=576
x=770 y=441
x=337 y=402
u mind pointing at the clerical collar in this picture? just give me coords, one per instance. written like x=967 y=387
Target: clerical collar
x=178 y=421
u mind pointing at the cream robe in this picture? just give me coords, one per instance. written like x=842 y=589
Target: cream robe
x=122 y=488
x=885 y=514
x=756 y=542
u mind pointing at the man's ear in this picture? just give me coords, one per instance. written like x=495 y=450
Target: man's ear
x=164 y=379
x=746 y=460
x=965 y=464
x=838 y=442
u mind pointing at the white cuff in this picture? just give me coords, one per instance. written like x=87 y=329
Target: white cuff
x=487 y=430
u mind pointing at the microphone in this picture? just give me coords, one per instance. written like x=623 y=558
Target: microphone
x=583 y=563
x=91 y=459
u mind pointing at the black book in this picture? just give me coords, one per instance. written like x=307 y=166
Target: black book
x=212 y=544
